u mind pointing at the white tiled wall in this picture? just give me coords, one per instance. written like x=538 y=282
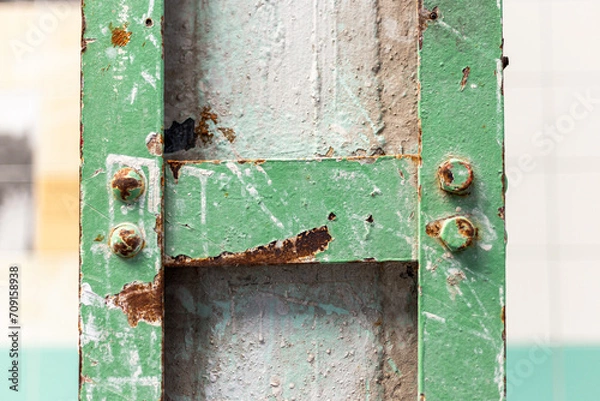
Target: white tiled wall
x=552 y=211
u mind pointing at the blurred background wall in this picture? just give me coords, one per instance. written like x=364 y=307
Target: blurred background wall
x=552 y=114
x=39 y=162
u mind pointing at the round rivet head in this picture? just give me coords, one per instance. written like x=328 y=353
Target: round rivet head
x=457 y=233
x=126 y=240
x=128 y=185
x=456 y=176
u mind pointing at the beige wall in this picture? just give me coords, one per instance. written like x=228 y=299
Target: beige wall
x=39 y=92
x=40 y=53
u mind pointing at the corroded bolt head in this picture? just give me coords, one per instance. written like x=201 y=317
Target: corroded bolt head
x=126 y=240
x=455 y=176
x=457 y=233
x=128 y=185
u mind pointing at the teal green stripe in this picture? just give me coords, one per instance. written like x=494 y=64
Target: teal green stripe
x=51 y=374
x=45 y=374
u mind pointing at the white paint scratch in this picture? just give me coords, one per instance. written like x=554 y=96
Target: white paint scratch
x=153 y=40
x=133 y=94
x=149 y=78
x=434 y=317
x=151 y=9
x=90 y=332
x=499 y=372
x=262 y=170
x=487 y=230
x=123 y=12
x=453 y=30
x=102 y=249
x=499 y=97
x=254 y=193
x=203 y=175
x=89 y=297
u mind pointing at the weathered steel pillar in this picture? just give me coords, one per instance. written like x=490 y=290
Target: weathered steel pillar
x=333 y=216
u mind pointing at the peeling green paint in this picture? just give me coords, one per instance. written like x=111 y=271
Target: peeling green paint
x=461 y=303
x=122 y=103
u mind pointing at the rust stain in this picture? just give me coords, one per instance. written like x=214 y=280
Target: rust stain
x=141 y=301
x=463 y=83
x=466 y=230
x=456 y=278
x=175 y=166
x=425 y=16
x=378 y=152
x=501 y=212
x=129 y=244
x=154 y=143
x=120 y=36
x=126 y=184
x=433 y=229
x=158 y=229
x=228 y=133
x=301 y=248
x=99 y=238
x=202 y=129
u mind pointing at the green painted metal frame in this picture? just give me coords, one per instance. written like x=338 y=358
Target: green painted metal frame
x=122 y=118
x=461 y=300
x=296 y=200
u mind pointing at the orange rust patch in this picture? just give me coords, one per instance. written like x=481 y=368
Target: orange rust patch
x=202 y=129
x=425 y=16
x=433 y=229
x=175 y=166
x=126 y=184
x=228 y=133
x=154 y=143
x=501 y=212
x=141 y=301
x=465 y=228
x=466 y=72
x=120 y=36
x=158 y=229
x=301 y=248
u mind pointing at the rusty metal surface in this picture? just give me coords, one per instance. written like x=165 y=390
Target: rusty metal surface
x=304 y=332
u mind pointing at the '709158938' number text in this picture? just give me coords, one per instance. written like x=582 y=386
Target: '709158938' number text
x=13 y=327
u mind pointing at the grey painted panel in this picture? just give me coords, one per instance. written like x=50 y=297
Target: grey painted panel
x=295 y=332
x=290 y=79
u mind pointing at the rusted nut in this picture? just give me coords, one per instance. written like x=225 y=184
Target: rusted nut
x=457 y=233
x=128 y=185
x=126 y=240
x=456 y=176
